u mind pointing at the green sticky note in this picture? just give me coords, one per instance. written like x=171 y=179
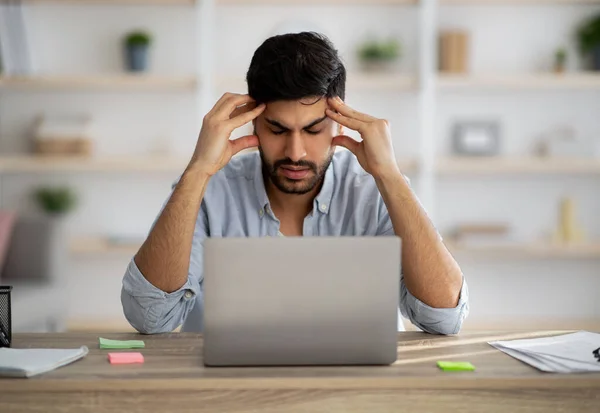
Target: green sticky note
x=455 y=366
x=119 y=344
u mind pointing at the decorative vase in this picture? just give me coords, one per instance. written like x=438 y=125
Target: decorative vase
x=137 y=58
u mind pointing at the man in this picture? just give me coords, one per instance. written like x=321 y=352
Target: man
x=296 y=185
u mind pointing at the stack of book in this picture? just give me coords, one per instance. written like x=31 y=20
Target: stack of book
x=15 y=54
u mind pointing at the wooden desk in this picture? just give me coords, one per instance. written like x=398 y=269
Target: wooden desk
x=173 y=379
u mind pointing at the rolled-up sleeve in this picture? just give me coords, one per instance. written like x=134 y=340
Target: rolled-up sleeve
x=149 y=309
x=434 y=320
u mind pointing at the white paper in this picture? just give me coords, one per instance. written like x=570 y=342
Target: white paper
x=569 y=353
x=30 y=362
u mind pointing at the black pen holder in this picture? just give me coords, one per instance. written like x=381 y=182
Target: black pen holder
x=5 y=317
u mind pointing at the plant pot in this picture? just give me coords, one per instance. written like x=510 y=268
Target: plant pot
x=596 y=58
x=378 y=65
x=137 y=58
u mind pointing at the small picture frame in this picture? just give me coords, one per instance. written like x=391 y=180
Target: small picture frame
x=480 y=138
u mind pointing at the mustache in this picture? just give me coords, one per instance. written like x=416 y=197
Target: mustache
x=299 y=164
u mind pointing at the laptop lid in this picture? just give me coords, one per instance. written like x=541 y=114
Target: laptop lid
x=301 y=300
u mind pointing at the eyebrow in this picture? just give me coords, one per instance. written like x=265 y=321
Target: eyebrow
x=310 y=125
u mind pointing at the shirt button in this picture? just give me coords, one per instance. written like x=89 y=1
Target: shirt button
x=261 y=212
x=323 y=207
x=188 y=294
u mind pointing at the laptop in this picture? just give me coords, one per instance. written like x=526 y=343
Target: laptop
x=301 y=301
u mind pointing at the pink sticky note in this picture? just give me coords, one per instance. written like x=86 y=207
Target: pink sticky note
x=125 y=358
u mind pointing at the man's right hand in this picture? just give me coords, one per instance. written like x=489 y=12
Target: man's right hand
x=214 y=148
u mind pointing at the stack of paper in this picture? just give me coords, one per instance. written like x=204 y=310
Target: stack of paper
x=30 y=362
x=569 y=353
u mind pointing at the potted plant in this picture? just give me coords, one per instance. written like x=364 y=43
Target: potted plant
x=55 y=201
x=560 y=59
x=588 y=36
x=137 y=44
x=379 y=55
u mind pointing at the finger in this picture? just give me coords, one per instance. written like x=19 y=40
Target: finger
x=244 y=118
x=242 y=109
x=242 y=143
x=346 y=142
x=353 y=124
x=347 y=111
x=229 y=105
x=219 y=103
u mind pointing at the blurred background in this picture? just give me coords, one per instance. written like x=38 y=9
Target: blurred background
x=495 y=112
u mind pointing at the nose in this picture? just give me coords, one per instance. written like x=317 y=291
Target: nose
x=294 y=148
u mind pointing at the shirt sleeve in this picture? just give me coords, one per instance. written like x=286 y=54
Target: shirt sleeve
x=429 y=319
x=150 y=310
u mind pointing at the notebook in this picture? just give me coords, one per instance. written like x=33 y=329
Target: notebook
x=31 y=362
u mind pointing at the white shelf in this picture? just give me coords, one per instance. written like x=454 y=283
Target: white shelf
x=99 y=82
x=535 y=81
x=508 y=165
x=532 y=250
x=18 y=164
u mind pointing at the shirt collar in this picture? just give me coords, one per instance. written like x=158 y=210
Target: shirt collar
x=322 y=201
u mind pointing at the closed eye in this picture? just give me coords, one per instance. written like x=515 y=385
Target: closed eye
x=281 y=132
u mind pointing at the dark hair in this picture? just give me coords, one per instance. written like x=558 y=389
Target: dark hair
x=296 y=66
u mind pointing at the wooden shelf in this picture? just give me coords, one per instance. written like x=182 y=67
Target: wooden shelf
x=116 y=2
x=99 y=82
x=382 y=81
x=408 y=166
x=508 y=165
x=517 y=2
x=531 y=250
x=526 y=81
x=317 y=2
x=355 y=81
x=95 y=246
x=121 y=164
x=32 y=163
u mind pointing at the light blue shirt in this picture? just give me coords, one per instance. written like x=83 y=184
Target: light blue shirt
x=235 y=204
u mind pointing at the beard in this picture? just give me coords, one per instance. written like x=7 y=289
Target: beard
x=272 y=171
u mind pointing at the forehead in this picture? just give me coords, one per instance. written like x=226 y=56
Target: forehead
x=296 y=113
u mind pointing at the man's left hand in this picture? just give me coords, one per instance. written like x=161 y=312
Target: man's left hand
x=375 y=152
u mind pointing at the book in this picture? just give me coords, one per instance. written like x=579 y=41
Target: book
x=31 y=362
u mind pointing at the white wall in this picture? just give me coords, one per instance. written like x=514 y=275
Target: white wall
x=506 y=39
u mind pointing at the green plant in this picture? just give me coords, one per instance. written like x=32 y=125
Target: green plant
x=138 y=38
x=560 y=56
x=588 y=35
x=380 y=50
x=55 y=200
